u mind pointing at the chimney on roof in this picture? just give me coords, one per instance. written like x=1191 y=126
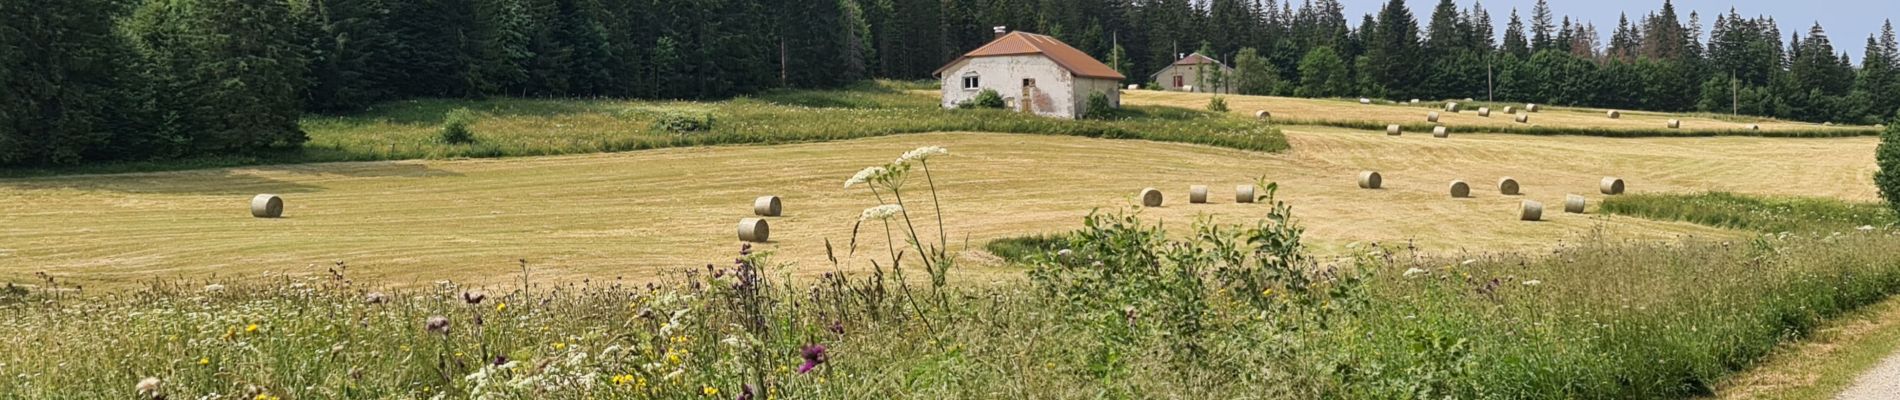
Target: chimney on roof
x=1001 y=30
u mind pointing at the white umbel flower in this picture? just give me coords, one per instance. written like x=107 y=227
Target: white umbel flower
x=863 y=176
x=921 y=153
x=148 y=387
x=214 y=288
x=1414 y=272
x=881 y=212
x=1533 y=282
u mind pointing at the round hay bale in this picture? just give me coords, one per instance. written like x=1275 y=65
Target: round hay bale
x=1394 y=130
x=1611 y=185
x=1370 y=180
x=267 y=206
x=1508 y=186
x=1460 y=190
x=1827 y=124
x=1510 y=110
x=1150 y=197
x=1754 y=127
x=1134 y=87
x=1531 y=107
x=1574 y=204
x=1451 y=107
x=767 y=206
x=1414 y=101
x=1523 y=118
x=1440 y=132
x=1197 y=194
x=1675 y=124
x=1530 y=211
x=1262 y=114
x=1431 y=117
x=1484 y=112
x=754 y=230
x=1363 y=100
x=1614 y=114
x=1243 y=194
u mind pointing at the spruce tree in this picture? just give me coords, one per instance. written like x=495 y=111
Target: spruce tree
x=1514 y=41
x=70 y=92
x=1543 y=34
x=1392 y=54
x=226 y=73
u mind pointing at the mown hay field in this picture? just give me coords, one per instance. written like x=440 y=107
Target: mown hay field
x=633 y=215
x=1555 y=119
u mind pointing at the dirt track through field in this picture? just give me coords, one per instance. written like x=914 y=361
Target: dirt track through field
x=635 y=214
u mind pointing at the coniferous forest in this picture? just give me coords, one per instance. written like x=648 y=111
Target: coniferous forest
x=97 y=80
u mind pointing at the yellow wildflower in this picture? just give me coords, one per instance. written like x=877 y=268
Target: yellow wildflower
x=672 y=357
x=710 y=391
x=251 y=329
x=204 y=361
x=623 y=379
x=1266 y=293
x=265 y=396
x=499 y=307
x=784 y=369
x=560 y=346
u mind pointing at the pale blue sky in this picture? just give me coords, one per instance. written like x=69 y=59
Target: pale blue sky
x=1848 y=22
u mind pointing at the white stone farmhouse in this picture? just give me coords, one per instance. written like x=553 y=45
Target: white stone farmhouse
x=1033 y=73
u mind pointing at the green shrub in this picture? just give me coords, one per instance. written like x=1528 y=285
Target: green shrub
x=1100 y=108
x=1217 y=104
x=683 y=122
x=987 y=98
x=1888 y=156
x=455 y=126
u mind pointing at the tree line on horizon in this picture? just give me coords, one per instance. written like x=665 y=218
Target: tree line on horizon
x=96 y=80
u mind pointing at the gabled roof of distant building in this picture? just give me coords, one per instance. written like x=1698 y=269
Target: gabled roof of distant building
x=1024 y=43
x=1197 y=59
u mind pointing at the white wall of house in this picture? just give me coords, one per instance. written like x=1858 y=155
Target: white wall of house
x=1191 y=79
x=1057 y=92
x=1085 y=86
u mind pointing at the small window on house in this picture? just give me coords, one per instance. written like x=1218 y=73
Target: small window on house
x=970 y=82
x=1029 y=83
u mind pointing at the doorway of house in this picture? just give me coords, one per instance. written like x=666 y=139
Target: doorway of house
x=1028 y=99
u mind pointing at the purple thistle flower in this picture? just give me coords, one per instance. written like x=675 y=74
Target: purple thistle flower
x=474 y=297
x=837 y=327
x=437 y=324
x=814 y=355
x=745 y=393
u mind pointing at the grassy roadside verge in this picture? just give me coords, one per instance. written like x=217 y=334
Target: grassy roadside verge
x=1822 y=364
x=1829 y=361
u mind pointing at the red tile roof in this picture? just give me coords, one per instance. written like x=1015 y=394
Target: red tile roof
x=1024 y=43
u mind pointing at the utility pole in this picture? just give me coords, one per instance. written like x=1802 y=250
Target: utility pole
x=1490 y=85
x=1735 y=94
